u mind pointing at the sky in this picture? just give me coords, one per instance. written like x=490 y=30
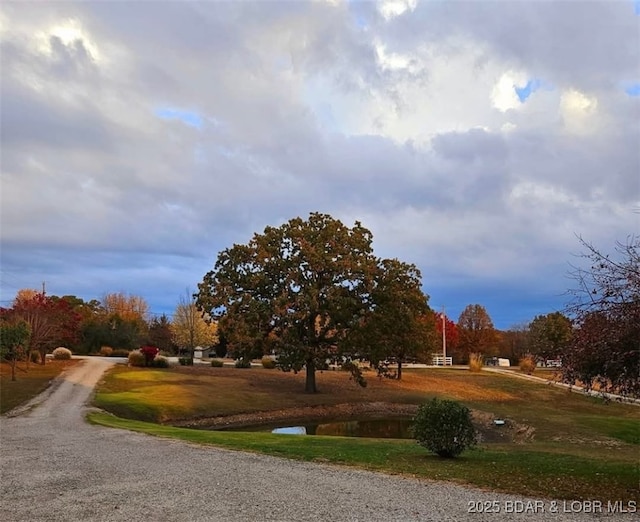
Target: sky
x=475 y=139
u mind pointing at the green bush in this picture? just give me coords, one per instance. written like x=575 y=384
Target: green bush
x=185 y=361
x=61 y=354
x=444 y=427
x=217 y=363
x=136 y=358
x=268 y=363
x=34 y=357
x=243 y=363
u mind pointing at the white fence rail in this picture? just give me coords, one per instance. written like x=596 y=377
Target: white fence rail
x=438 y=360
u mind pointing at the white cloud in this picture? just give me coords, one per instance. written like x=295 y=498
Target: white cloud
x=579 y=111
x=393 y=8
x=503 y=94
x=402 y=115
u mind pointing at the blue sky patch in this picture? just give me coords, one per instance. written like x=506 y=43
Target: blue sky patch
x=633 y=89
x=191 y=118
x=637 y=7
x=526 y=91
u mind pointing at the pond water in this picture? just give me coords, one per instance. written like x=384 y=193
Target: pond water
x=396 y=428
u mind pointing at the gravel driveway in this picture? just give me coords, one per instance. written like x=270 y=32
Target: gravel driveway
x=54 y=466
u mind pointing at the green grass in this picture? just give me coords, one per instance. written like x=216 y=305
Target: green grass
x=528 y=471
x=579 y=445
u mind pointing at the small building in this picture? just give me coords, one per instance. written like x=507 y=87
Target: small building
x=201 y=352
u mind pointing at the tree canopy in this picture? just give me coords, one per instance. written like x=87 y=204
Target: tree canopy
x=190 y=329
x=605 y=348
x=476 y=331
x=298 y=290
x=400 y=326
x=550 y=335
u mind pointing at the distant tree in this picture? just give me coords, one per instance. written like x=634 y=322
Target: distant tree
x=190 y=329
x=549 y=335
x=513 y=343
x=605 y=347
x=160 y=334
x=400 y=326
x=296 y=290
x=14 y=339
x=120 y=321
x=476 y=331
x=52 y=321
x=126 y=306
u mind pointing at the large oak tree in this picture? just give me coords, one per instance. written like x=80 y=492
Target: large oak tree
x=296 y=290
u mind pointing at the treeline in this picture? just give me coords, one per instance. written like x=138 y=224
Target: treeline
x=117 y=321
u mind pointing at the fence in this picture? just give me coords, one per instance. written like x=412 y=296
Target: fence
x=438 y=360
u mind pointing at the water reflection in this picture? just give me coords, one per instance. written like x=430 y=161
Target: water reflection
x=373 y=428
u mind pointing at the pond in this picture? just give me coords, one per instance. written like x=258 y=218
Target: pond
x=396 y=428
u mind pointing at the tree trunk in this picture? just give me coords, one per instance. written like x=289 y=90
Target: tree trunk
x=43 y=356
x=310 y=383
x=399 y=376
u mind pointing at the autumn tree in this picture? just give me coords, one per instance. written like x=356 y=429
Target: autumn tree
x=513 y=343
x=400 y=325
x=605 y=347
x=120 y=321
x=190 y=328
x=52 y=321
x=549 y=335
x=128 y=307
x=476 y=331
x=14 y=339
x=296 y=290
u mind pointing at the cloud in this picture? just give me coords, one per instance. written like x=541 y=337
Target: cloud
x=138 y=140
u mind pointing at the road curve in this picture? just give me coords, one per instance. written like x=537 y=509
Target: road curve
x=56 y=467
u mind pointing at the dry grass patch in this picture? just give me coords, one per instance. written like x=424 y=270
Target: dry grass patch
x=28 y=383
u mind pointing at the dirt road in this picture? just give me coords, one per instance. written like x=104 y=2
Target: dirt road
x=56 y=467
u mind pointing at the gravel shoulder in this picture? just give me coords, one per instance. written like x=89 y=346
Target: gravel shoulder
x=56 y=467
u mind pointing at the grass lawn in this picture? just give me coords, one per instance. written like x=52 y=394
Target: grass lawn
x=582 y=448
x=28 y=383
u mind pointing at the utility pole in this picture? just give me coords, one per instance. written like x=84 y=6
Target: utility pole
x=43 y=289
x=444 y=338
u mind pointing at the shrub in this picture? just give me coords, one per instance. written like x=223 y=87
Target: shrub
x=268 y=362
x=106 y=351
x=217 y=363
x=61 y=354
x=444 y=427
x=185 y=361
x=34 y=357
x=120 y=352
x=149 y=353
x=243 y=363
x=160 y=362
x=527 y=364
x=136 y=358
x=476 y=362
